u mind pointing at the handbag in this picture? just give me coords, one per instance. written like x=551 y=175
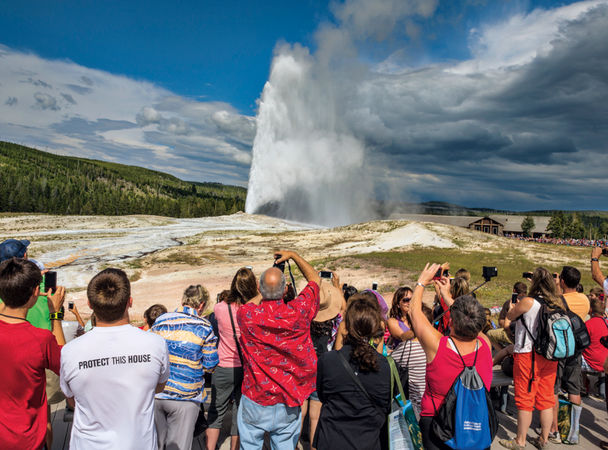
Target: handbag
x=403 y=429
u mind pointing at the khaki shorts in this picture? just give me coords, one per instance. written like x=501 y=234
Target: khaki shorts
x=53 y=391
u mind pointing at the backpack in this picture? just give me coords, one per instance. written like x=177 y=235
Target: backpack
x=581 y=335
x=466 y=419
x=555 y=337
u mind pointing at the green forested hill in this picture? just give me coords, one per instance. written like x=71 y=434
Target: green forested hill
x=36 y=181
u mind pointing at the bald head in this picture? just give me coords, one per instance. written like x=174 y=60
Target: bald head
x=272 y=284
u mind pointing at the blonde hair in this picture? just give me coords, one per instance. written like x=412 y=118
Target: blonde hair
x=195 y=296
x=543 y=285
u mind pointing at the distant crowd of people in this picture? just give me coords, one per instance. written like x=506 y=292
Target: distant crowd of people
x=560 y=241
x=274 y=356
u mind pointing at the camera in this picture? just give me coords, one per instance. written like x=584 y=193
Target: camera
x=50 y=281
x=70 y=306
x=605 y=251
x=326 y=274
x=375 y=286
x=526 y=275
x=280 y=266
x=489 y=272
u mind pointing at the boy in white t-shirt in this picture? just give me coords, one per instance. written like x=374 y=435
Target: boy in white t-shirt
x=113 y=371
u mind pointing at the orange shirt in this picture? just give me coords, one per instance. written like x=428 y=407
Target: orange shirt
x=578 y=303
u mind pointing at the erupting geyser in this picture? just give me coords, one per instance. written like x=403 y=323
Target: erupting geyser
x=306 y=164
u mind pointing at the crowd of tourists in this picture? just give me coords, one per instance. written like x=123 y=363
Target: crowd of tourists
x=572 y=242
x=340 y=366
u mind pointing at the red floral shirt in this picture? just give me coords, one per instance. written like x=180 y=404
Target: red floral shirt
x=280 y=361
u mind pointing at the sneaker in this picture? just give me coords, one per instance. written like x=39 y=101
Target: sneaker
x=511 y=443
x=554 y=437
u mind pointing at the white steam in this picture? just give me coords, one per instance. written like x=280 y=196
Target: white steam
x=308 y=164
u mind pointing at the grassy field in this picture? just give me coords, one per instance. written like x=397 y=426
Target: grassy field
x=511 y=263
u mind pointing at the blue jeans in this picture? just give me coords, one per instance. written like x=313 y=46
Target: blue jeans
x=282 y=422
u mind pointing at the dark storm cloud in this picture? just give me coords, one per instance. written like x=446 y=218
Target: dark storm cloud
x=516 y=130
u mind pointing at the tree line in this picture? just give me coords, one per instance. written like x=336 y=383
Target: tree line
x=41 y=182
x=574 y=225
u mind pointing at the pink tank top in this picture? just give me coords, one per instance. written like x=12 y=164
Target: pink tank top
x=447 y=365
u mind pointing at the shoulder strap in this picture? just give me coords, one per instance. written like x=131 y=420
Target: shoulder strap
x=565 y=303
x=236 y=341
x=461 y=358
x=356 y=379
x=395 y=380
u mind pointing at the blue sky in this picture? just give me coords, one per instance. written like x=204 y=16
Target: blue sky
x=176 y=86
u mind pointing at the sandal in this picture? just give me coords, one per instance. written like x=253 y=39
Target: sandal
x=511 y=443
x=538 y=443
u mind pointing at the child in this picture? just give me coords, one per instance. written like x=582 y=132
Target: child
x=25 y=352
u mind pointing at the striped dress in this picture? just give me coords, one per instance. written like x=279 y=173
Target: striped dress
x=192 y=351
x=410 y=354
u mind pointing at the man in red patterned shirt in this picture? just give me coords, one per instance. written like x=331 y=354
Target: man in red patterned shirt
x=280 y=364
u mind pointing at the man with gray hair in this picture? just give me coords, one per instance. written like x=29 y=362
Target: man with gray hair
x=280 y=361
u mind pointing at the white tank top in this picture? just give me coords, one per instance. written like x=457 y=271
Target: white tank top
x=523 y=341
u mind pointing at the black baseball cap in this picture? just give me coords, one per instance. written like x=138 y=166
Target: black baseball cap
x=12 y=248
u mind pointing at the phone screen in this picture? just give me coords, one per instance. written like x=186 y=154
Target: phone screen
x=50 y=281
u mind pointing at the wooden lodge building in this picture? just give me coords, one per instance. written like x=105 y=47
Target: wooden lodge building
x=498 y=224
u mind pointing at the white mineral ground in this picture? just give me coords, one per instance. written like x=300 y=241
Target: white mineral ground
x=165 y=255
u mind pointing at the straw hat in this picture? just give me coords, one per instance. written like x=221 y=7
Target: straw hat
x=331 y=302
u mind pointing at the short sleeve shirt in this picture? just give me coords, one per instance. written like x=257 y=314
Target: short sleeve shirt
x=578 y=304
x=280 y=359
x=112 y=372
x=25 y=353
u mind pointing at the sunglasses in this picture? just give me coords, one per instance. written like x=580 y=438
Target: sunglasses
x=405 y=300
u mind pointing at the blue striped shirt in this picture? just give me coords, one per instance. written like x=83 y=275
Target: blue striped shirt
x=192 y=351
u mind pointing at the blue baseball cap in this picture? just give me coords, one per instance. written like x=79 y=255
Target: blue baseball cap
x=12 y=248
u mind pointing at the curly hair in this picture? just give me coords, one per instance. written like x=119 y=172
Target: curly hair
x=363 y=323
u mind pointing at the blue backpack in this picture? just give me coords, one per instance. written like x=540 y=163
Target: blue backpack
x=466 y=419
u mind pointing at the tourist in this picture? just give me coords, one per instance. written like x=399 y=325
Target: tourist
x=502 y=337
x=410 y=354
x=569 y=371
x=447 y=355
x=26 y=352
x=228 y=375
x=533 y=389
x=596 y=272
x=113 y=371
x=398 y=322
x=192 y=351
x=371 y=297
x=323 y=330
x=352 y=416
x=595 y=355
x=151 y=314
x=280 y=361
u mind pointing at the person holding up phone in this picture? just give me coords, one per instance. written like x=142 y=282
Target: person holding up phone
x=502 y=337
x=596 y=272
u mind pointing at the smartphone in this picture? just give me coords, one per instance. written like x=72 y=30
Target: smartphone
x=50 y=281
x=374 y=286
x=70 y=305
x=438 y=274
x=526 y=275
x=489 y=272
x=514 y=297
x=605 y=251
x=326 y=274
x=555 y=275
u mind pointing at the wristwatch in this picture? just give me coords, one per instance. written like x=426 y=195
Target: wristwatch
x=595 y=259
x=56 y=315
